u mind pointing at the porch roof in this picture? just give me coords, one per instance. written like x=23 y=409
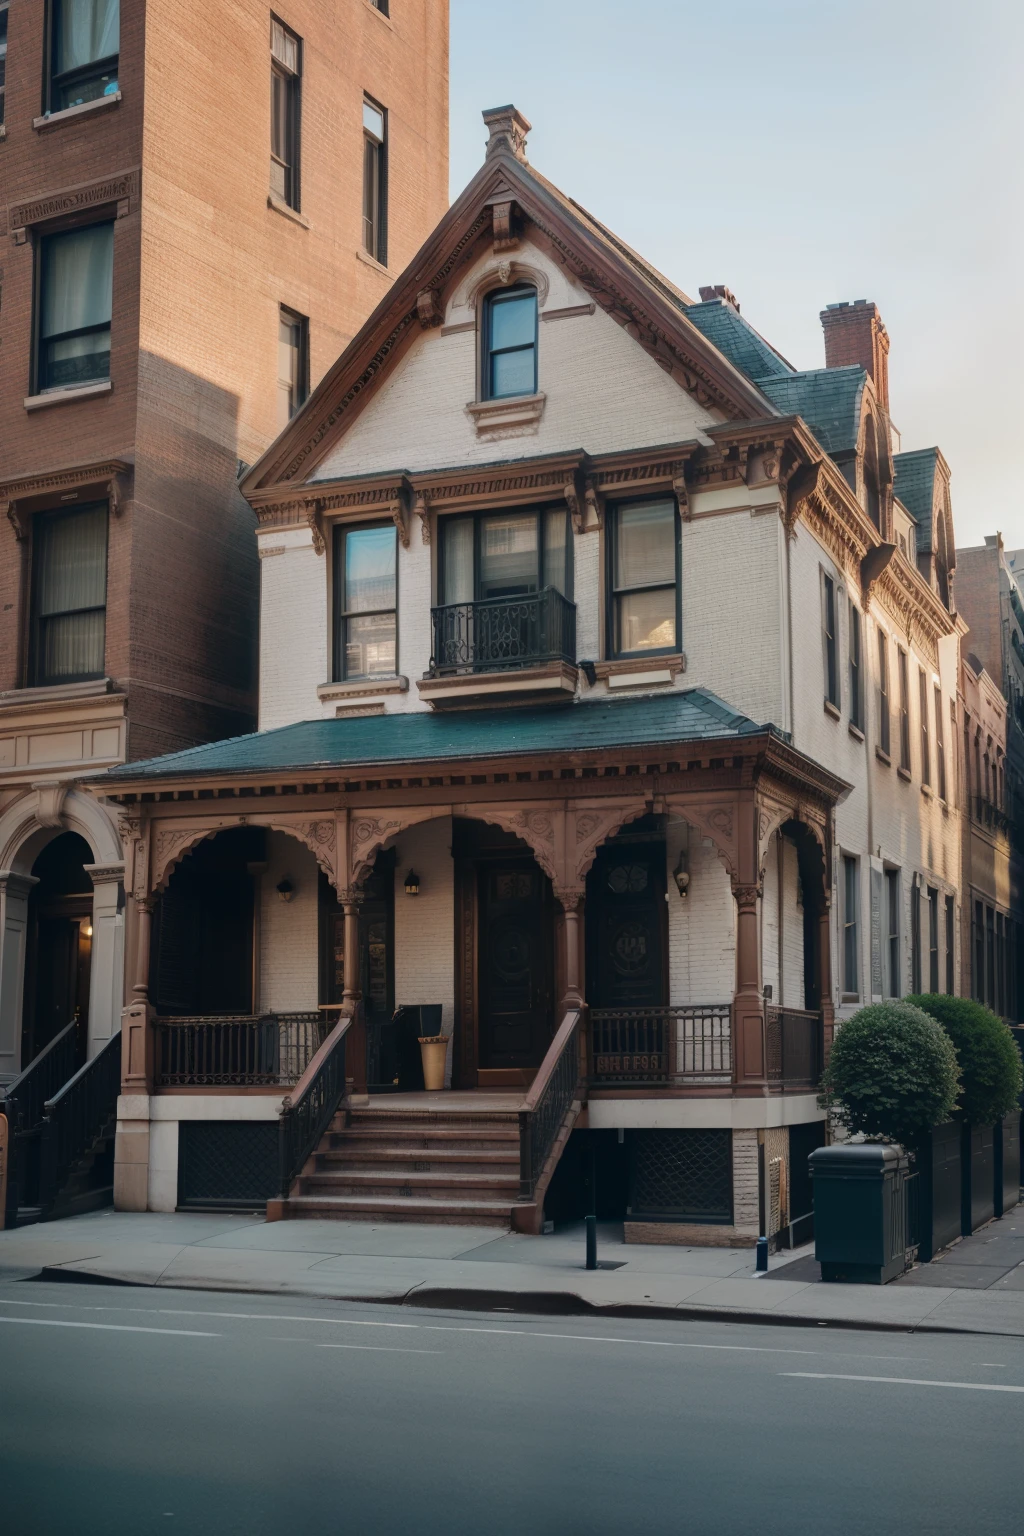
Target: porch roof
x=689 y=715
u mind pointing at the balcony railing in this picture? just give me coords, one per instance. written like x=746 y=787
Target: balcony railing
x=691 y=1043
x=503 y=633
x=236 y=1050
x=795 y=1047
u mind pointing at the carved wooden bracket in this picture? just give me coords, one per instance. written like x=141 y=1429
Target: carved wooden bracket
x=429 y=308
x=314 y=517
x=421 y=507
x=17 y=520
x=503 y=224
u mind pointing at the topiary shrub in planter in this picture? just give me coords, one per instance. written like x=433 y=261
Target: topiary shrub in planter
x=892 y=1073
x=990 y=1063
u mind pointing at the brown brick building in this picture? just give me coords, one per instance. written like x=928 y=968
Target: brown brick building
x=194 y=220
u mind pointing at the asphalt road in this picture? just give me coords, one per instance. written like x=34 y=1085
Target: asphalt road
x=126 y=1411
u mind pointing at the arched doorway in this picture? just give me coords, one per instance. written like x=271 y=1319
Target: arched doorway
x=203 y=954
x=59 y=949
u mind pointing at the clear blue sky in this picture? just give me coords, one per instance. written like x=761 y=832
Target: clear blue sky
x=801 y=151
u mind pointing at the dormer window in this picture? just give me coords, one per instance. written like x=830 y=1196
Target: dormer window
x=510 y=343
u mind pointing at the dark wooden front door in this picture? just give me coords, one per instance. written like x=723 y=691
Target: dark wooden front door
x=626 y=927
x=516 y=974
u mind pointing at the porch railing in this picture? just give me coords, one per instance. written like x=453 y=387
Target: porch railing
x=237 y=1050
x=558 y=1082
x=502 y=633
x=24 y=1102
x=75 y=1118
x=309 y=1110
x=795 y=1039
x=689 y=1043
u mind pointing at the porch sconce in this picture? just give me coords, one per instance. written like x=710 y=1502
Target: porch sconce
x=412 y=883
x=285 y=890
x=87 y=931
x=767 y=992
x=681 y=875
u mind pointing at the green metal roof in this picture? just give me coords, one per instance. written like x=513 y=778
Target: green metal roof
x=727 y=330
x=828 y=399
x=915 y=487
x=329 y=745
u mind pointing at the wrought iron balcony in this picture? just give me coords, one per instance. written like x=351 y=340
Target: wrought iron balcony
x=689 y=1043
x=500 y=634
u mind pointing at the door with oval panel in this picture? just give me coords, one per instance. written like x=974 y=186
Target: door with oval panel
x=625 y=917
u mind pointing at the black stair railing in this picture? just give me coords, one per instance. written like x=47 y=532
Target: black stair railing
x=74 y=1118
x=310 y=1107
x=498 y=634
x=557 y=1084
x=23 y=1103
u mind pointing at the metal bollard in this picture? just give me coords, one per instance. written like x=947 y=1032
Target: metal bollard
x=590 y=1223
x=761 y=1262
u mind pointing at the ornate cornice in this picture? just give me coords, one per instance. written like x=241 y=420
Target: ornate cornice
x=122 y=189
x=22 y=494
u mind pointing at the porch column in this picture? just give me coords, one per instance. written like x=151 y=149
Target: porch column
x=14 y=894
x=571 y=901
x=106 y=978
x=137 y=1019
x=748 y=1033
x=352 y=996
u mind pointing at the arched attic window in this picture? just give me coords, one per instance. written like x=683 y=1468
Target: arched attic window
x=872 y=495
x=509 y=343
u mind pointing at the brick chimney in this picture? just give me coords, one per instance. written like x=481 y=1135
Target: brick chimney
x=720 y=291
x=507 y=129
x=855 y=334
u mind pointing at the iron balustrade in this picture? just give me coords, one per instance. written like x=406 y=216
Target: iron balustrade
x=23 y=1102
x=236 y=1050
x=795 y=1041
x=76 y=1116
x=557 y=1084
x=689 y=1043
x=501 y=634
x=309 y=1110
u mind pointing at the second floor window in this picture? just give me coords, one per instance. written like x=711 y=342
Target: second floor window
x=830 y=640
x=644 y=578
x=950 y=945
x=904 y=711
x=504 y=555
x=926 y=739
x=856 y=685
x=285 y=75
x=69 y=595
x=940 y=748
x=292 y=364
x=933 y=939
x=75 y=295
x=375 y=181
x=892 y=904
x=851 y=961
x=884 y=704
x=510 y=343
x=365 y=587
x=86 y=40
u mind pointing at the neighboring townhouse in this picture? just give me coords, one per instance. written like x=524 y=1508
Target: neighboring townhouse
x=607 y=701
x=199 y=206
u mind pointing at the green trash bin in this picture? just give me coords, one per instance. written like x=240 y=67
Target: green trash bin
x=860 y=1212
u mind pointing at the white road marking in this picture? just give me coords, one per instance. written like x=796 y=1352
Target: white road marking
x=906 y=1381
x=55 y=1322
x=383 y=1349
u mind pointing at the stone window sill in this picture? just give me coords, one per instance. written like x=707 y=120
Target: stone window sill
x=280 y=206
x=926 y=789
x=883 y=757
x=365 y=688
x=831 y=709
x=516 y=417
x=371 y=261
x=855 y=731
x=57 y=693
x=551 y=680
x=72 y=114
x=381 y=16
x=65 y=396
x=904 y=774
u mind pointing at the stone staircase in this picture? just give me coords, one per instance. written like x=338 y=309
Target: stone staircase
x=413 y=1165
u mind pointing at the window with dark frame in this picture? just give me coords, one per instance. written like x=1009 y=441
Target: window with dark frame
x=375 y=181
x=978 y=786
x=904 y=668
x=926 y=744
x=950 y=945
x=940 y=747
x=285 y=112
x=884 y=706
x=978 y=935
x=892 y=905
x=1000 y=1003
x=990 y=957
x=366 y=602
x=84 y=48
x=856 y=685
x=69 y=595
x=933 y=939
x=915 y=937
x=643 y=578
x=382 y=6
x=292 y=364
x=828 y=619
x=851 y=977
x=491 y=555
x=3 y=56
x=510 y=343
x=75 y=287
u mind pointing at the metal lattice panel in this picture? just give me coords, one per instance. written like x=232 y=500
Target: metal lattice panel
x=685 y=1175
x=227 y=1163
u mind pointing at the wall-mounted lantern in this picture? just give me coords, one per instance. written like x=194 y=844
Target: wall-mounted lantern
x=681 y=874
x=412 y=883
x=285 y=890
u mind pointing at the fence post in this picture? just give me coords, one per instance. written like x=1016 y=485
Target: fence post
x=525 y=1157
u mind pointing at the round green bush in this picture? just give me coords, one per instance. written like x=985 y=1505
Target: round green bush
x=990 y=1063
x=892 y=1073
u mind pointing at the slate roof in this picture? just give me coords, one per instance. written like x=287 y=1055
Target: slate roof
x=745 y=348
x=915 y=487
x=327 y=745
x=828 y=399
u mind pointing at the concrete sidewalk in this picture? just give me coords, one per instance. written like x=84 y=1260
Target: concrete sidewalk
x=490 y=1269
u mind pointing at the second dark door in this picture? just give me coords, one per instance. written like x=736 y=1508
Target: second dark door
x=516 y=978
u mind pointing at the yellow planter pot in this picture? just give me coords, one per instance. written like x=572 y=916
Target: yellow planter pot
x=434 y=1052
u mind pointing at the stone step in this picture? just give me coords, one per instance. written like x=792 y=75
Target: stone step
x=465 y=1213
x=419 y=1159
x=401 y=1185
x=480 y=1137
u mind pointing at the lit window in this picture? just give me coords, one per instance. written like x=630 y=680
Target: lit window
x=375 y=181
x=644 y=551
x=75 y=297
x=292 y=364
x=285 y=107
x=365 y=585
x=510 y=343
x=69 y=595
x=85 y=47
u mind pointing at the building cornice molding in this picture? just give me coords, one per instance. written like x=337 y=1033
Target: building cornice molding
x=24 y=494
x=121 y=189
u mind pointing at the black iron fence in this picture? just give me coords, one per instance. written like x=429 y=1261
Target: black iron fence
x=238 y=1050
x=76 y=1116
x=795 y=1044
x=24 y=1102
x=307 y=1113
x=500 y=633
x=690 y=1043
x=557 y=1084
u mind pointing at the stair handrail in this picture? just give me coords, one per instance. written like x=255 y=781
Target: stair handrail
x=310 y=1107
x=23 y=1101
x=75 y=1116
x=557 y=1084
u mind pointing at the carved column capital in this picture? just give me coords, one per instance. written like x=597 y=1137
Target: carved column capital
x=570 y=897
x=746 y=895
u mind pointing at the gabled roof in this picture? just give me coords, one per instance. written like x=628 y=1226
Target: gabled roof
x=322 y=745
x=736 y=338
x=915 y=487
x=828 y=399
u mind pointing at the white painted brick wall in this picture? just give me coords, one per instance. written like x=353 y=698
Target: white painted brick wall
x=425 y=924
x=289 y=931
x=701 y=927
